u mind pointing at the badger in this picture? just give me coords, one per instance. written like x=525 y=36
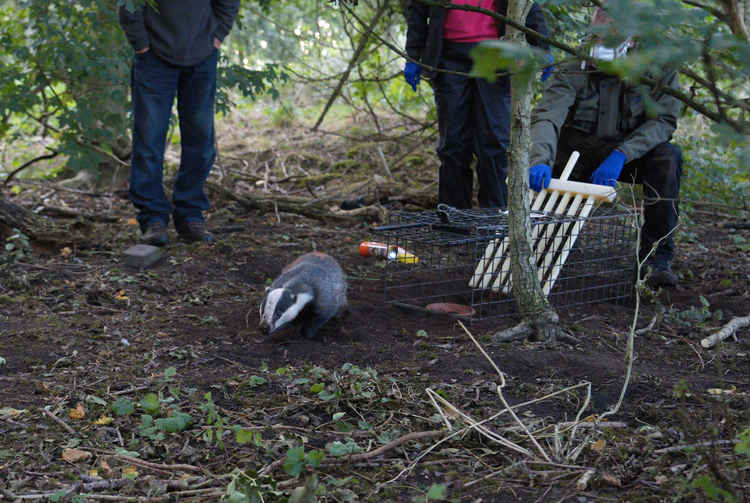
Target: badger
x=309 y=292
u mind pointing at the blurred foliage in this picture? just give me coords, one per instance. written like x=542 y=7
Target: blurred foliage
x=65 y=75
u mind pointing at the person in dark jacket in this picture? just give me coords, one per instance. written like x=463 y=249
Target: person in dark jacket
x=473 y=114
x=606 y=120
x=176 y=51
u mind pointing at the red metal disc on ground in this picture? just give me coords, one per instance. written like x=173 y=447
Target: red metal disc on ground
x=450 y=308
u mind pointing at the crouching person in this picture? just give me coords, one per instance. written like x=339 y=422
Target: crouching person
x=605 y=119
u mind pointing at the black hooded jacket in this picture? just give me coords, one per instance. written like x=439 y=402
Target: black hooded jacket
x=425 y=23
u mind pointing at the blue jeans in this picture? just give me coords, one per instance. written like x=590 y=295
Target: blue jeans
x=154 y=84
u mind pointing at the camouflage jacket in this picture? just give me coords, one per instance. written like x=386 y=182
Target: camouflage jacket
x=603 y=109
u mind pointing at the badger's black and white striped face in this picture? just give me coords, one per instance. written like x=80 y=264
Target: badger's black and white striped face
x=280 y=307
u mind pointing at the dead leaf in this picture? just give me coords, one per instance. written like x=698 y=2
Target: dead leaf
x=611 y=480
x=103 y=421
x=661 y=479
x=599 y=445
x=129 y=472
x=78 y=413
x=75 y=455
x=106 y=469
x=120 y=295
x=132 y=221
x=65 y=252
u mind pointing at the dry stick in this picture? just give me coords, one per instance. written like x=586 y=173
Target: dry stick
x=727 y=331
x=157 y=466
x=677 y=448
x=474 y=425
x=59 y=421
x=352 y=63
x=500 y=393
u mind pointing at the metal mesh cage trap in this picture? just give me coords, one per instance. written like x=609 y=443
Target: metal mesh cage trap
x=462 y=257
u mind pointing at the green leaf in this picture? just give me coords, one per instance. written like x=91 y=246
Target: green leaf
x=96 y=400
x=317 y=388
x=421 y=333
x=177 y=422
x=326 y=395
x=150 y=403
x=123 y=407
x=169 y=373
x=743 y=444
x=243 y=435
x=315 y=457
x=493 y=56
x=338 y=448
x=710 y=489
x=255 y=381
x=295 y=461
x=124 y=452
x=437 y=492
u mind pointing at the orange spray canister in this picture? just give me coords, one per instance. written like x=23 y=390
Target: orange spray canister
x=376 y=249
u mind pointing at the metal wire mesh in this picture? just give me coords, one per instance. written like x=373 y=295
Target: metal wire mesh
x=462 y=256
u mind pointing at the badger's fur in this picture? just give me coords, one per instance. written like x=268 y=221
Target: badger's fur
x=310 y=291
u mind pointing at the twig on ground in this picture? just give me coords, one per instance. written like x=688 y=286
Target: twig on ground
x=157 y=466
x=686 y=447
x=59 y=421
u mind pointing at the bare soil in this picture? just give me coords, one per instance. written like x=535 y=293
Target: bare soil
x=77 y=327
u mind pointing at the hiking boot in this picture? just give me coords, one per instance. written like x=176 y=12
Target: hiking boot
x=155 y=233
x=194 y=231
x=658 y=272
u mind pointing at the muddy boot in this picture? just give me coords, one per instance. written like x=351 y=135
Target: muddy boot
x=658 y=272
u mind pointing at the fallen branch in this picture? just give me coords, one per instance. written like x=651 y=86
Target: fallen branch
x=157 y=466
x=727 y=331
x=59 y=211
x=59 y=421
x=677 y=448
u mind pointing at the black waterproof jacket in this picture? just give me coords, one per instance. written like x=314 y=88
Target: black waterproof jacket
x=604 y=110
x=425 y=23
x=182 y=31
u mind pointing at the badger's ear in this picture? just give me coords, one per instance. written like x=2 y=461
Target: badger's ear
x=268 y=289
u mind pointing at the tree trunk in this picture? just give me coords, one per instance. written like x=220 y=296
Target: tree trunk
x=527 y=291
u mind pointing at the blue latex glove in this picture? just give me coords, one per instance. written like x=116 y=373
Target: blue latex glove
x=539 y=176
x=412 y=71
x=548 y=69
x=609 y=170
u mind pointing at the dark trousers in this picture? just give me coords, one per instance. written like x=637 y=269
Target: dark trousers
x=154 y=85
x=473 y=118
x=659 y=171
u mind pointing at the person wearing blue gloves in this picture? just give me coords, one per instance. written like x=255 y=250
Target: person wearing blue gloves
x=606 y=120
x=473 y=114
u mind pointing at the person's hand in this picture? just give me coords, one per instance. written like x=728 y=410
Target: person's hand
x=217 y=43
x=141 y=51
x=609 y=170
x=412 y=71
x=539 y=176
x=547 y=71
